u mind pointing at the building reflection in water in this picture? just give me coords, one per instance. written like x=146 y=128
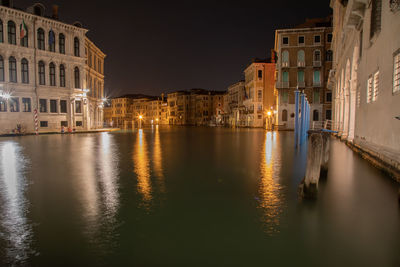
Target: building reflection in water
x=157 y=160
x=107 y=165
x=270 y=190
x=15 y=231
x=85 y=173
x=142 y=167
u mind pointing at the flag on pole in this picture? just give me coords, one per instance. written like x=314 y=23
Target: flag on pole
x=23 y=30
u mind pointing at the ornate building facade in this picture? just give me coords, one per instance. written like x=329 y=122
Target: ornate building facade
x=42 y=71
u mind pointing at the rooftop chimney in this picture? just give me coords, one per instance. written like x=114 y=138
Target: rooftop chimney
x=55 y=12
x=273 y=56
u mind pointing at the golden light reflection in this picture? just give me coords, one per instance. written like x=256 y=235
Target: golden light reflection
x=157 y=160
x=271 y=198
x=108 y=170
x=15 y=229
x=142 y=168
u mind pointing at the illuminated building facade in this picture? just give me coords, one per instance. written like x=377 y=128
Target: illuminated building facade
x=42 y=69
x=366 y=75
x=304 y=62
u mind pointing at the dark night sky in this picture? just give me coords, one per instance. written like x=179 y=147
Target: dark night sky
x=160 y=46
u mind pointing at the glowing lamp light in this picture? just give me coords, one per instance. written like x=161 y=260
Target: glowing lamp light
x=156 y=119
x=140 y=117
x=269 y=113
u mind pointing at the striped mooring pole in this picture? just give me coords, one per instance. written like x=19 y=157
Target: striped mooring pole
x=36 y=121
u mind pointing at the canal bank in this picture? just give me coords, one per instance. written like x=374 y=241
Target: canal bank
x=57 y=132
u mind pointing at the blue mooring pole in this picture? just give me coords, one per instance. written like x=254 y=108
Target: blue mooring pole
x=296 y=117
x=302 y=121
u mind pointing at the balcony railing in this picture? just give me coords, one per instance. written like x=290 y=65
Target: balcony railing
x=285 y=64
x=301 y=64
x=317 y=63
x=282 y=84
x=316 y=83
x=301 y=84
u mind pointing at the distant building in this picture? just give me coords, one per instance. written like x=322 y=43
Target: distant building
x=366 y=75
x=259 y=92
x=178 y=105
x=304 y=62
x=234 y=104
x=42 y=69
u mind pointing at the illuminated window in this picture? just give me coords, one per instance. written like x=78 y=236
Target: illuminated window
x=26 y=105
x=42 y=105
x=78 y=107
x=14 y=104
x=62 y=76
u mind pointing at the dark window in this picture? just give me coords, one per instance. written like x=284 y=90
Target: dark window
x=53 y=106
x=284 y=115
x=24 y=34
x=12 y=69
x=37 y=10
x=61 y=43
x=62 y=76
x=26 y=105
x=1 y=31
x=52 y=41
x=52 y=72
x=301 y=39
x=63 y=106
x=260 y=74
x=44 y=124
x=3 y=105
x=11 y=32
x=285 y=40
x=317 y=55
x=329 y=37
x=64 y=123
x=315 y=115
x=361 y=42
x=78 y=123
x=76 y=76
x=42 y=105
x=76 y=47
x=317 y=39
x=78 y=107
x=24 y=71
x=42 y=77
x=329 y=55
x=40 y=39
x=14 y=104
x=328 y=114
x=328 y=97
x=1 y=69
x=376 y=17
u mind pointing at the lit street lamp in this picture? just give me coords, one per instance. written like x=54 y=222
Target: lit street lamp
x=140 y=121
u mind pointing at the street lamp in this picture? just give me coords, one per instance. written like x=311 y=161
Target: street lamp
x=140 y=121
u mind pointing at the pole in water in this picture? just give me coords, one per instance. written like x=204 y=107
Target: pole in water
x=302 y=122
x=296 y=117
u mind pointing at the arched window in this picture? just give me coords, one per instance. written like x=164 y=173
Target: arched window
x=300 y=56
x=23 y=33
x=1 y=69
x=42 y=77
x=315 y=115
x=329 y=55
x=76 y=77
x=11 y=32
x=24 y=71
x=52 y=73
x=62 y=76
x=76 y=47
x=285 y=56
x=52 y=41
x=61 y=43
x=40 y=39
x=317 y=55
x=12 y=67
x=1 y=31
x=284 y=115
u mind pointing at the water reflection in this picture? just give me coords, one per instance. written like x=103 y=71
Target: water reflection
x=157 y=160
x=15 y=230
x=270 y=189
x=142 y=168
x=108 y=171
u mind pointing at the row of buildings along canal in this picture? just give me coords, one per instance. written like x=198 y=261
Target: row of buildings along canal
x=347 y=64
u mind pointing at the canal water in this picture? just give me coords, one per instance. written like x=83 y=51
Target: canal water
x=189 y=196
